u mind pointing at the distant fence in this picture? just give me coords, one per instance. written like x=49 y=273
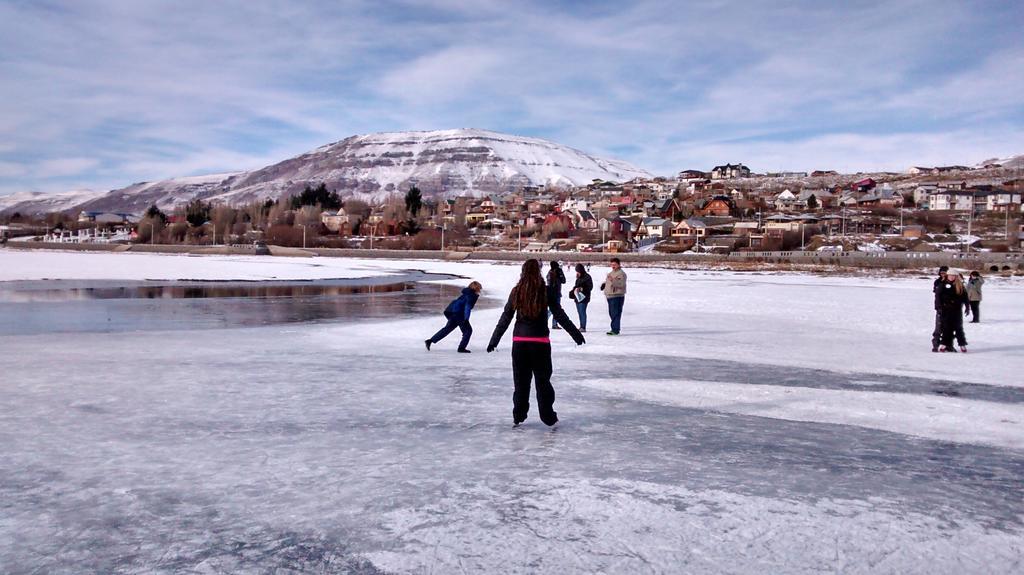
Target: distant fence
x=982 y=261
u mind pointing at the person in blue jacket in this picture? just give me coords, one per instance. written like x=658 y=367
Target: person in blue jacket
x=457 y=314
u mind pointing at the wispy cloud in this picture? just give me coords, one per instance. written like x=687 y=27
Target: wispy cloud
x=101 y=93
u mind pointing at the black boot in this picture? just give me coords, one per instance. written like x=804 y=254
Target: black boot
x=427 y=342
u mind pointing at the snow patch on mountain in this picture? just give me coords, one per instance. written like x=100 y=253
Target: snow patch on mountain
x=41 y=202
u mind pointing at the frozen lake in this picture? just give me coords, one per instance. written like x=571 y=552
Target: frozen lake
x=342 y=446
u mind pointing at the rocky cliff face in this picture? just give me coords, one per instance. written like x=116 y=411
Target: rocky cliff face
x=447 y=162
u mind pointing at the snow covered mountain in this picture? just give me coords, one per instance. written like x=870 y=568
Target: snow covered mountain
x=445 y=162
x=1011 y=162
x=39 y=203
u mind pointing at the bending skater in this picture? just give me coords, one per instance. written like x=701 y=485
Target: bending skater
x=457 y=314
x=531 y=346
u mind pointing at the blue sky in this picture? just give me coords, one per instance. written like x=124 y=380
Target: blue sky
x=100 y=94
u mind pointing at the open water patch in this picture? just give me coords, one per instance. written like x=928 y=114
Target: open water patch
x=65 y=306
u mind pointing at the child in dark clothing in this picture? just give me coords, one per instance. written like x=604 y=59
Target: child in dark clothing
x=457 y=314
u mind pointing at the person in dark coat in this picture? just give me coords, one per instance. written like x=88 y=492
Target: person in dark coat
x=531 y=345
x=580 y=293
x=953 y=301
x=937 y=331
x=556 y=279
x=457 y=314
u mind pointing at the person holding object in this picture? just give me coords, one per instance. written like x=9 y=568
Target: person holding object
x=580 y=293
x=556 y=278
x=974 y=295
x=614 y=288
x=457 y=314
x=531 y=345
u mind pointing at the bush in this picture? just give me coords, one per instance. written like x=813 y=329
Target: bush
x=427 y=240
x=287 y=236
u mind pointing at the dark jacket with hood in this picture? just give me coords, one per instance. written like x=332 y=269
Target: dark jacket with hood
x=584 y=284
x=460 y=307
x=950 y=301
x=556 y=277
x=536 y=327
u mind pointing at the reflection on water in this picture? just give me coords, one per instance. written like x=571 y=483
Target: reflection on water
x=62 y=307
x=198 y=290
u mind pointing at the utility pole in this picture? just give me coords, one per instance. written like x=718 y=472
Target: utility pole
x=303 y=236
x=442 y=235
x=970 y=220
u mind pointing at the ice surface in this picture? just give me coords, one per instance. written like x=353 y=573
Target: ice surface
x=742 y=423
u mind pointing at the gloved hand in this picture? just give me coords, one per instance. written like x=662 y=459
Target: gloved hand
x=490 y=348
x=967 y=312
x=582 y=340
x=602 y=287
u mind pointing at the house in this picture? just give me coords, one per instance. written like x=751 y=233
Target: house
x=722 y=206
x=586 y=220
x=913 y=231
x=950 y=200
x=690 y=228
x=617 y=226
x=654 y=228
x=823 y=198
x=335 y=221
x=730 y=171
x=864 y=185
x=887 y=197
x=688 y=175
x=1002 y=201
x=107 y=218
x=786 y=200
x=823 y=173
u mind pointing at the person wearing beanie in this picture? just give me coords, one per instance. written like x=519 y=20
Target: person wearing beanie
x=580 y=293
x=457 y=314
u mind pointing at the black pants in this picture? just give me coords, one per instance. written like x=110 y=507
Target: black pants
x=467 y=331
x=532 y=360
x=975 y=311
x=953 y=326
x=937 y=332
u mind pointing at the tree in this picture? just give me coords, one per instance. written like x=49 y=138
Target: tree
x=812 y=202
x=318 y=196
x=413 y=201
x=154 y=212
x=197 y=213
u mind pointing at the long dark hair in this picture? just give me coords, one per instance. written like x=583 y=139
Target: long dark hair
x=530 y=294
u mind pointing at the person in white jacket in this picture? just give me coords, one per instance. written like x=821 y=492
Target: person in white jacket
x=614 y=288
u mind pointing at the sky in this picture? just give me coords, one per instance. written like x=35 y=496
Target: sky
x=100 y=94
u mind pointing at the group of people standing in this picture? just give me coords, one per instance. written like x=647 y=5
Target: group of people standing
x=530 y=303
x=954 y=299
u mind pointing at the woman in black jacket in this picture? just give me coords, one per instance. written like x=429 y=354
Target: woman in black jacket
x=952 y=299
x=531 y=347
x=580 y=293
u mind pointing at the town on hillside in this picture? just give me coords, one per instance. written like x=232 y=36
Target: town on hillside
x=724 y=210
